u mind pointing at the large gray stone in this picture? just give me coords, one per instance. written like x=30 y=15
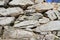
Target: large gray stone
x=51 y=14
x=17 y=33
x=10 y=12
x=50 y=37
x=2 y=2
x=39 y=1
x=6 y=20
x=16 y=39
x=53 y=25
x=34 y=16
x=44 y=20
x=21 y=18
x=8 y=39
x=30 y=11
x=41 y=7
x=21 y=2
x=58 y=33
x=27 y=23
x=40 y=37
x=6 y=2
x=57 y=13
x=59 y=8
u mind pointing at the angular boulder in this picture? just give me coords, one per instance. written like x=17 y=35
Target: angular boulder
x=41 y=7
x=53 y=25
x=57 y=13
x=2 y=2
x=13 y=33
x=51 y=15
x=10 y=12
x=34 y=16
x=21 y=2
x=44 y=20
x=27 y=23
x=6 y=20
x=39 y=1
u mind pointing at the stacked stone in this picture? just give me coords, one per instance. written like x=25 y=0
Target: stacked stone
x=29 y=20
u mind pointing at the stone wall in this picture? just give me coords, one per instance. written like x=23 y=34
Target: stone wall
x=29 y=20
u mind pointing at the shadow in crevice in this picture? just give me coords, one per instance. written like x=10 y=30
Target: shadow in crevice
x=2 y=31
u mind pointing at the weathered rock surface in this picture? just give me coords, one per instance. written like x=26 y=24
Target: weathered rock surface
x=39 y=1
x=50 y=37
x=1 y=2
x=6 y=20
x=57 y=13
x=29 y=20
x=41 y=7
x=30 y=11
x=34 y=16
x=9 y=11
x=51 y=14
x=21 y=2
x=4 y=2
x=15 y=39
x=17 y=33
x=58 y=33
x=53 y=25
x=59 y=8
x=44 y=20
x=27 y=23
x=8 y=39
x=2 y=8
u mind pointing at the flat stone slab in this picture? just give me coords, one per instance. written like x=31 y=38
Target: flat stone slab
x=41 y=7
x=26 y=23
x=53 y=25
x=2 y=2
x=44 y=20
x=21 y=2
x=1 y=31
x=39 y=1
x=34 y=16
x=51 y=14
x=13 y=33
x=10 y=12
x=6 y=20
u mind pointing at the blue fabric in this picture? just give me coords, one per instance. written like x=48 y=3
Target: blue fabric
x=50 y=1
x=57 y=1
